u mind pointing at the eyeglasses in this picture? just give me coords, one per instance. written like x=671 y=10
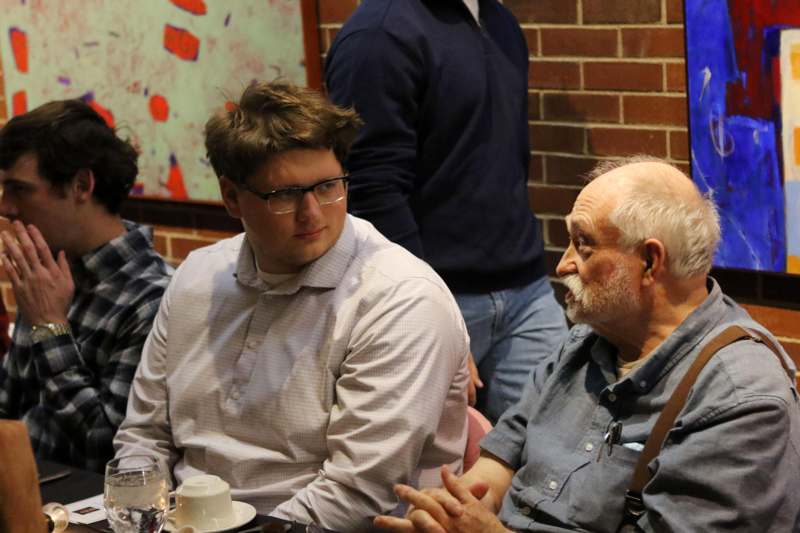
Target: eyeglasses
x=284 y=201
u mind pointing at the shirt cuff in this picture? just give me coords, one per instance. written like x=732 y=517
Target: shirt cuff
x=55 y=355
x=501 y=447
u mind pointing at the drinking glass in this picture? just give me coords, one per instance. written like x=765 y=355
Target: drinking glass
x=135 y=494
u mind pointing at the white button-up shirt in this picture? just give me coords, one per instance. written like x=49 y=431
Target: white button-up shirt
x=313 y=397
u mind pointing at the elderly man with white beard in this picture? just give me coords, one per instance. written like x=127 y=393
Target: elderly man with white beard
x=642 y=240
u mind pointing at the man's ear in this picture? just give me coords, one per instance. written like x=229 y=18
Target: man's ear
x=230 y=196
x=83 y=185
x=654 y=258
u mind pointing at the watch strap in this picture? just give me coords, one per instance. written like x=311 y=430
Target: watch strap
x=40 y=332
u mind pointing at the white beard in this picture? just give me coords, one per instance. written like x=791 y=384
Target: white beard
x=604 y=303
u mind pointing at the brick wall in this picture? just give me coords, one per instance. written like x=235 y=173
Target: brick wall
x=606 y=80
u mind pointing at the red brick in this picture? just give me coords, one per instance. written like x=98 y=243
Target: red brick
x=532 y=38
x=623 y=76
x=654 y=109
x=621 y=11
x=554 y=75
x=679 y=145
x=552 y=11
x=567 y=170
x=579 y=42
x=326 y=37
x=781 y=322
x=533 y=106
x=581 y=107
x=215 y=235
x=675 y=11
x=557 y=139
x=676 y=77
x=556 y=230
x=624 y=142
x=160 y=244
x=181 y=246
x=793 y=349
x=653 y=42
x=536 y=169
x=331 y=11
x=547 y=200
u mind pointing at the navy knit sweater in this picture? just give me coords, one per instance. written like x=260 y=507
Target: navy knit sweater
x=442 y=163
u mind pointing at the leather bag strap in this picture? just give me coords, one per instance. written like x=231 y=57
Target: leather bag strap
x=634 y=506
x=676 y=403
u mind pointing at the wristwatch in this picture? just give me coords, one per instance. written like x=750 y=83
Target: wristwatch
x=42 y=332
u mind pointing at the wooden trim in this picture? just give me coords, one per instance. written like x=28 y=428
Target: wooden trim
x=180 y=214
x=313 y=52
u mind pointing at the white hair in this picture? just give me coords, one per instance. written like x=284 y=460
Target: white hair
x=651 y=207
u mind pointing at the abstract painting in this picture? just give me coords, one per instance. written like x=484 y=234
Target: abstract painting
x=743 y=76
x=154 y=69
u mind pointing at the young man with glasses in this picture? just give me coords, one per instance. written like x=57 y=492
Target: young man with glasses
x=309 y=362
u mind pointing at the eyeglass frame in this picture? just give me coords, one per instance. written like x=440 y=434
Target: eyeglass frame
x=303 y=190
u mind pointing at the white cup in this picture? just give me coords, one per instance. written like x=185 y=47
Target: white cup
x=203 y=502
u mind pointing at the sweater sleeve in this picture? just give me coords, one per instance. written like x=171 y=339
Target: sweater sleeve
x=381 y=77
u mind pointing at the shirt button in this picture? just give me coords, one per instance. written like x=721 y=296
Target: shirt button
x=252 y=344
x=525 y=510
x=643 y=384
x=589 y=447
x=235 y=395
x=612 y=397
x=552 y=485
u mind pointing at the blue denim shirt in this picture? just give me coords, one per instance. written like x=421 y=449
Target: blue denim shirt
x=730 y=462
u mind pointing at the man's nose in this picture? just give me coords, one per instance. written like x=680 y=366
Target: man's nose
x=566 y=265
x=309 y=206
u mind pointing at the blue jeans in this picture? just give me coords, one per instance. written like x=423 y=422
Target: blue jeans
x=510 y=332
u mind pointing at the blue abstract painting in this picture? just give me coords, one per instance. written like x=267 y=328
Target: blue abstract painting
x=743 y=66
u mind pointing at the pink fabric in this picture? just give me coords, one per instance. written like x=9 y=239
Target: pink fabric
x=477 y=427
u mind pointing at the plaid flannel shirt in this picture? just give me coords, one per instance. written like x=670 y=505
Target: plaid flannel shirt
x=72 y=390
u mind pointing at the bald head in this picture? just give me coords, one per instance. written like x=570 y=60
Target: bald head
x=664 y=180
x=645 y=199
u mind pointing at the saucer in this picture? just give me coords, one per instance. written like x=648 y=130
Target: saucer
x=244 y=513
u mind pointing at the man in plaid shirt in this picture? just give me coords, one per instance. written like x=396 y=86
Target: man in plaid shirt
x=86 y=282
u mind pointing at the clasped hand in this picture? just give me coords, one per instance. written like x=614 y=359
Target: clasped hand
x=43 y=286
x=456 y=508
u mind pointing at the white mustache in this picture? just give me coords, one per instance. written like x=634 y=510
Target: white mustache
x=575 y=285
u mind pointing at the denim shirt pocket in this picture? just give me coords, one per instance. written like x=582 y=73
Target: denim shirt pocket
x=545 y=495
x=597 y=492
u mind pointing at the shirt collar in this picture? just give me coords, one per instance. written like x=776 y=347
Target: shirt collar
x=474 y=9
x=324 y=273
x=109 y=258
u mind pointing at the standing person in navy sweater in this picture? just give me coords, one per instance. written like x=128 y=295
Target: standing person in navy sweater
x=441 y=167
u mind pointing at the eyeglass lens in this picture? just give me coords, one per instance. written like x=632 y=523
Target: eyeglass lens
x=327 y=192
